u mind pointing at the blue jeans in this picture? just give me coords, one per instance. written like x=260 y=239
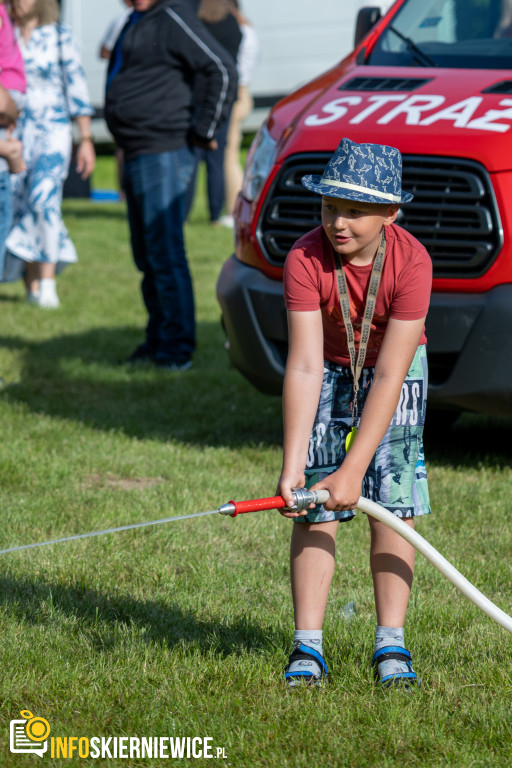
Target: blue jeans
x=215 y=182
x=155 y=188
x=5 y=214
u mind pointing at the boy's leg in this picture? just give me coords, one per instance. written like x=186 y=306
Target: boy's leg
x=392 y=564
x=312 y=554
x=312 y=567
x=396 y=479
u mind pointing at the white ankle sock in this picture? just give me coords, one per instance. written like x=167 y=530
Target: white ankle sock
x=390 y=636
x=311 y=637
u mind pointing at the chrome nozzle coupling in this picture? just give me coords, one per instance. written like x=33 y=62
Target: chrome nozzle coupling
x=304 y=497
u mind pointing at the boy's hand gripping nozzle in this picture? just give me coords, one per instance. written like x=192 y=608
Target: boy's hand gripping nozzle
x=302 y=498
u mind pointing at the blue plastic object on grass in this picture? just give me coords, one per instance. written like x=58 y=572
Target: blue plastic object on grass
x=105 y=196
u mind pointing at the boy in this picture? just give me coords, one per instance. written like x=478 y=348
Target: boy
x=357 y=290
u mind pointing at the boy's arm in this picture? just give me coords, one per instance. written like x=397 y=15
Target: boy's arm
x=301 y=392
x=395 y=358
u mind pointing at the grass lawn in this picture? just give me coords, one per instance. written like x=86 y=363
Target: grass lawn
x=184 y=629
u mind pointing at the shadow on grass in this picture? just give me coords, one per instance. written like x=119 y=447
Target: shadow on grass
x=7 y=299
x=87 y=209
x=474 y=440
x=78 y=377
x=101 y=616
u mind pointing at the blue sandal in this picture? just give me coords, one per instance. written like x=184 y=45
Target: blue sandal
x=405 y=679
x=305 y=666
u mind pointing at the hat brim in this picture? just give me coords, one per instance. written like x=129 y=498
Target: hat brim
x=315 y=184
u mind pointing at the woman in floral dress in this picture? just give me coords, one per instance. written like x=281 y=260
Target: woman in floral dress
x=39 y=245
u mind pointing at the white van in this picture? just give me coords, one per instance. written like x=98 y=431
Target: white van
x=299 y=39
x=89 y=20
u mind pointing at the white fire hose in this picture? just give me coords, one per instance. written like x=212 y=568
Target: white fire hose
x=440 y=562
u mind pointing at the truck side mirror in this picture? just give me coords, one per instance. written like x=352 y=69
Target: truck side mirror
x=366 y=19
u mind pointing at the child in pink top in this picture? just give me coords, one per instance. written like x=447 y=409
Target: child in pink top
x=12 y=87
x=12 y=90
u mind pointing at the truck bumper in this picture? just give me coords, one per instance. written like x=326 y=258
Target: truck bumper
x=254 y=318
x=470 y=350
x=469 y=340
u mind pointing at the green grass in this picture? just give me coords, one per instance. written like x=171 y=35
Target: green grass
x=105 y=173
x=184 y=629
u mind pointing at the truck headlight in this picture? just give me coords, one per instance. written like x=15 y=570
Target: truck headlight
x=259 y=162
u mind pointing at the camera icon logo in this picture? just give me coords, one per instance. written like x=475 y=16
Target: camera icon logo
x=29 y=735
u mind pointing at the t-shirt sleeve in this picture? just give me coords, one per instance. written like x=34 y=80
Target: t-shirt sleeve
x=301 y=290
x=412 y=297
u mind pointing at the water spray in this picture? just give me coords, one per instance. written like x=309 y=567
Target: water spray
x=303 y=498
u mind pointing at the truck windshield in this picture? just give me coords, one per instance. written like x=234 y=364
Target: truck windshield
x=474 y=34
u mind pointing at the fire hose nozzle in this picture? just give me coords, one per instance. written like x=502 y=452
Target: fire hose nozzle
x=302 y=499
x=228 y=509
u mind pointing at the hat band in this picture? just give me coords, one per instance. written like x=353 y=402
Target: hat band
x=366 y=190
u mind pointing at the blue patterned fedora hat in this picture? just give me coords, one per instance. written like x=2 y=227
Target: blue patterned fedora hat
x=369 y=173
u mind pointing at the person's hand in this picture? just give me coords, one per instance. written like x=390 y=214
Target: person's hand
x=344 y=488
x=9 y=112
x=195 y=141
x=85 y=158
x=284 y=488
x=15 y=159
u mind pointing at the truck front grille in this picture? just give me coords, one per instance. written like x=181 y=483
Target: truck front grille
x=454 y=211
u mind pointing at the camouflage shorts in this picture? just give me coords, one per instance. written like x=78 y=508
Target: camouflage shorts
x=396 y=478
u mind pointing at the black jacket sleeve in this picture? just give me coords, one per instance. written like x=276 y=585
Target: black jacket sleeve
x=204 y=56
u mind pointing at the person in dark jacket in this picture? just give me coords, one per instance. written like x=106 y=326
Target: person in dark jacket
x=150 y=112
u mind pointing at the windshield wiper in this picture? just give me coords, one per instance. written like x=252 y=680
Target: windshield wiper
x=423 y=58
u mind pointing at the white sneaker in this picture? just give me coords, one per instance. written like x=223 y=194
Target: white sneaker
x=48 y=298
x=32 y=298
x=227 y=221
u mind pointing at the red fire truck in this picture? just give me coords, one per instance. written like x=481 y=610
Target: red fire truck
x=433 y=78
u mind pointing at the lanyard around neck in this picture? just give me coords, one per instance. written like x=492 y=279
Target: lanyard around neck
x=357 y=363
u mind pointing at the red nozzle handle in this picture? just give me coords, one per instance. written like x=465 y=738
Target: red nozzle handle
x=302 y=497
x=257 y=505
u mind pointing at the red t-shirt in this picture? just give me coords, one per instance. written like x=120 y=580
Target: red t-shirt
x=404 y=290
